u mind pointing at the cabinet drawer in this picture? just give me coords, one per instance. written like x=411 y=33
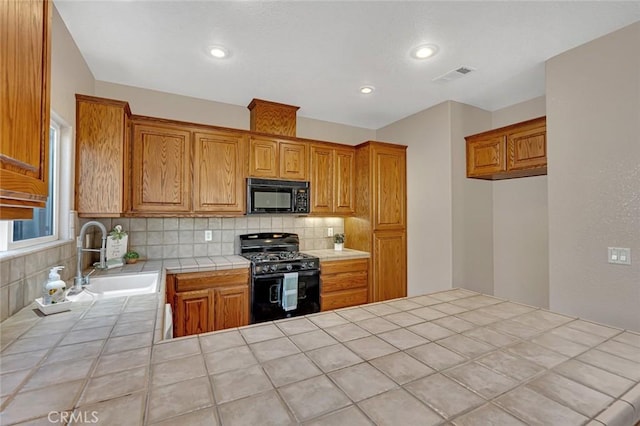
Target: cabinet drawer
x=342 y=266
x=202 y=280
x=344 y=281
x=343 y=299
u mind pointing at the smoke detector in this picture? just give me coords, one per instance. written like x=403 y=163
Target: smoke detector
x=454 y=74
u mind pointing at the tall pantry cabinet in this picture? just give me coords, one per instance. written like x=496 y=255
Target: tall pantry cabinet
x=380 y=223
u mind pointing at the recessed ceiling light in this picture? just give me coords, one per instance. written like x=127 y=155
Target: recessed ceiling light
x=365 y=90
x=218 y=52
x=424 y=51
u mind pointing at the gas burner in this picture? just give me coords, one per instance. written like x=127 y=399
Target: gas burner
x=282 y=256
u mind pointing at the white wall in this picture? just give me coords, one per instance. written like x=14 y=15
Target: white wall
x=520 y=231
x=593 y=122
x=194 y=110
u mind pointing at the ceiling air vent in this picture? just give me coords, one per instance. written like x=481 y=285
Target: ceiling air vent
x=454 y=75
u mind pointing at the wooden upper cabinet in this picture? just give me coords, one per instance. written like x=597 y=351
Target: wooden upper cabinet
x=263 y=157
x=272 y=118
x=518 y=150
x=332 y=179
x=161 y=168
x=219 y=172
x=344 y=181
x=528 y=148
x=25 y=31
x=486 y=155
x=322 y=163
x=390 y=187
x=102 y=157
x=277 y=159
x=293 y=160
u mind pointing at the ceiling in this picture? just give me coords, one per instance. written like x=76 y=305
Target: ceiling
x=317 y=54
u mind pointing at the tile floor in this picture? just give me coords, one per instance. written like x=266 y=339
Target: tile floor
x=454 y=358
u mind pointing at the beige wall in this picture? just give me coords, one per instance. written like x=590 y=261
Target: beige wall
x=69 y=72
x=593 y=122
x=520 y=231
x=472 y=206
x=184 y=108
x=429 y=224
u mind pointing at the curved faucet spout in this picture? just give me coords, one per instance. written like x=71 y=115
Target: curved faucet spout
x=80 y=280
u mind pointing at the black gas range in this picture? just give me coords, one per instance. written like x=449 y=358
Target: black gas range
x=284 y=282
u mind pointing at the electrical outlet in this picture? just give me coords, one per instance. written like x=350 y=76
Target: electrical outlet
x=329 y=232
x=208 y=235
x=619 y=255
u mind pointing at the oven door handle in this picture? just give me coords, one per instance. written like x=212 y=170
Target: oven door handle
x=306 y=273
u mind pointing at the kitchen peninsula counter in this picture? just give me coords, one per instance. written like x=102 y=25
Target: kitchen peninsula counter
x=454 y=356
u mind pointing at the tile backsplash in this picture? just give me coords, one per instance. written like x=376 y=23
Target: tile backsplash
x=164 y=238
x=23 y=275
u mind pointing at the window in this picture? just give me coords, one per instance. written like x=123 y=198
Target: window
x=44 y=225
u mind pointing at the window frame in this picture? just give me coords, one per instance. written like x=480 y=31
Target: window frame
x=6 y=227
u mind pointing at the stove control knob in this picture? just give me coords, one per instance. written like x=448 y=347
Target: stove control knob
x=289 y=267
x=310 y=264
x=274 y=267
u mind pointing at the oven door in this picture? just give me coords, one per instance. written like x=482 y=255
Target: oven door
x=266 y=296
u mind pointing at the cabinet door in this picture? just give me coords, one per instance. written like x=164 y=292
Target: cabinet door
x=486 y=155
x=343 y=188
x=390 y=265
x=194 y=312
x=389 y=183
x=231 y=307
x=321 y=179
x=161 y=169
x=219 y=177
x=102 y=155
x=293 y=160
x=25 y=31
x=527 y=148
x=263 y=157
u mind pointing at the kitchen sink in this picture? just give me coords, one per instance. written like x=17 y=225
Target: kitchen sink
x=108 y=286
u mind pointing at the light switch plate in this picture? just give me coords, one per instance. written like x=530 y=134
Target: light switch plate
x=208 y=235
x=619 y=255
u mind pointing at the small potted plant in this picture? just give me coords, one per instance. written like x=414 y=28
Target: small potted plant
x=338 y=242
x=131 y=256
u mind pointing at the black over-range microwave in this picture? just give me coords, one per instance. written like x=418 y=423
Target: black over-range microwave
x=270 y=196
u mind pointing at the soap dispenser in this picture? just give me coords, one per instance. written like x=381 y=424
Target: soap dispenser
x=54 y=288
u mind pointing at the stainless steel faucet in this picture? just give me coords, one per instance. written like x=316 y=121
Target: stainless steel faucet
x=80 y=281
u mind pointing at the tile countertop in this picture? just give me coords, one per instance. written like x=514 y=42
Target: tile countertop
x=453 y=357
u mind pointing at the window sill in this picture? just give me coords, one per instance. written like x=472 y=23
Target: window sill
x=10 y=254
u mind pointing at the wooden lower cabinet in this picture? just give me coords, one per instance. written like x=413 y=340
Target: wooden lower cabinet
x=389 y=279
x=230 y=307
x=344 y=283
x=193 y=312
x=208 y=301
